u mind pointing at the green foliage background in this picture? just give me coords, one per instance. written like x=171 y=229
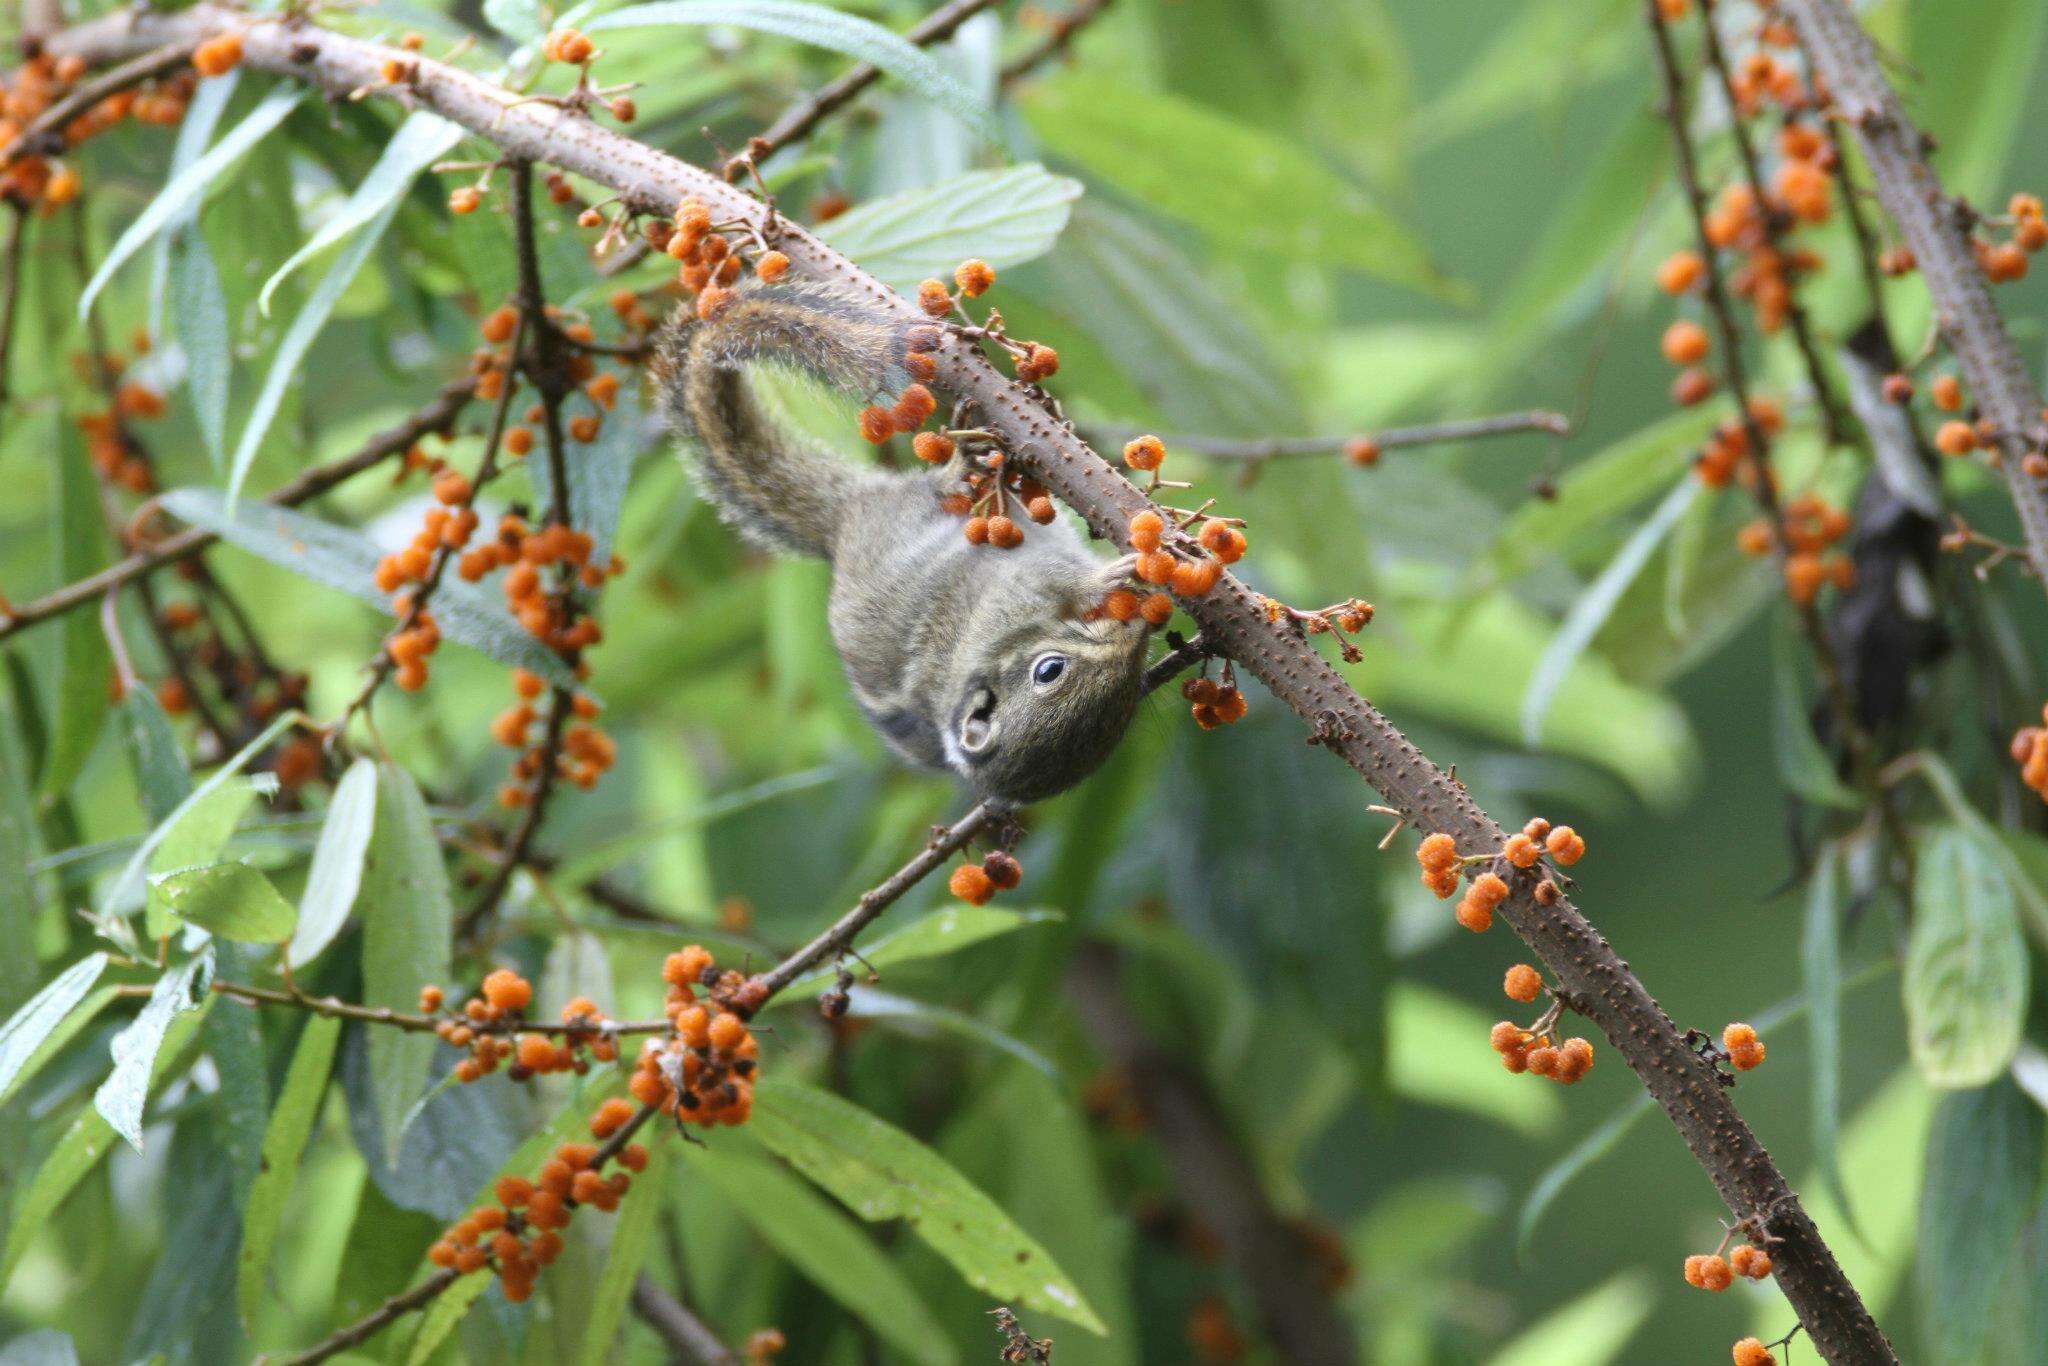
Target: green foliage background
x=1263 y=179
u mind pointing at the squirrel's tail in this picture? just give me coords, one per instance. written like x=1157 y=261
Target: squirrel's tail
x=778 y=489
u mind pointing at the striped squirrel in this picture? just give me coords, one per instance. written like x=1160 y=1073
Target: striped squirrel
x=989 y=663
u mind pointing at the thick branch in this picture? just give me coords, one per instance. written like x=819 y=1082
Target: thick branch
x=1938 y=233
x=1232 y=616
x=310 y=484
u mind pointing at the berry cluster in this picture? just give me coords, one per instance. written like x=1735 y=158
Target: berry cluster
x=1442 y=865
x=486 y=1023
x=1809 y=526
x=975 y=883
x=1743 y=1047
x=35 y=175
x=116 y=457
x=1727 y=456
x=1714 y=1272
x=703 y=1073
x=1213 y=704
x=239 y=676
x=2030 y=752
x=1534 y=1051
x=1033 y=361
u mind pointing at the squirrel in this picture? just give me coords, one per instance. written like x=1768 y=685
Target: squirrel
x=992 y=664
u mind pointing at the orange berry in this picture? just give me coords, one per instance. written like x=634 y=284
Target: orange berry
x=430 y=999
x=1565 y=845
x=470 y=1259
x=507 y=990
x=1685 y=343
x=772 y=266
x=974 y=276
x=932 y=448
x=514 y=1191
x=442 y=1253
x=1748 y=1056
x=610 y=1117
x=686 y=965
x=1004 y=534
x=1955 y=438
x=1574 y=1056
x=1714 y=1274
x=971 y=884
x=1947 y=393
x=1146 y=529
x=876 y=425
x=729 y=1031
x=633 y=1157
x=218 y=56
x=1523 y=983
x=1750 y=1261
x=465 y=200
x=1521 y=851
x=934 y=299
x=1362 y=450
x=535 y=1053
x=1680 y=272
x=584 y=428
x=1156 y=609
x=1750 y=1352
x=1120 y=604
x=1436 y=852
x=1145 y=453
x=1508 y=1037
x=1489 y=890
x=975 y=529
x=1692 y=387
x=1193 y=578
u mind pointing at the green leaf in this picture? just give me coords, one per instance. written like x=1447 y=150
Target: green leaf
x=1803 y=765
x=1005 y=217
x=194 y=837
x=28 y=1027
x=949 y=929
x=1590 y=1331
x=825 y=1246
x=159 y=765
x=1589 y=611
x=122 y=1095
x=1437 y=1054
x=232 y=900
x=419 y=142
x=187 y=185
x=1966 y=971
x=880 y=1172
x=1516 y=73
x=200 y=319
x=347 y=560
x=202 y=116
x=84 y=665
x=286 y=365
x=1982 y=1170
x=44 y=1347
x=336 y=874
x=407 y=922
x=1568 y=1168
x=520 y=20
x=820 y=26
x=922 y=1018
x=1246 y=188
x=284 y=1143
x=633 y=1242
x=1977 y=120
x=1820 y=957
x=84 y=1142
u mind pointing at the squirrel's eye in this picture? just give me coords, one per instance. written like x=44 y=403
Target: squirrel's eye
x=1048 y=669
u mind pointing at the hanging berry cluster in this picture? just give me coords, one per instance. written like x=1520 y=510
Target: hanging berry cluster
x=1348 y=617
x=1712 y=1271
x=117 y=458
x=238 y=675
x=1751 y=1352
x=1214 y=704
x=1442 y=866
x=2030 y=752
x=35 y=174
x=1534 y=1049
x=704 y=1072
x=976 y=883
x=1743 y=1048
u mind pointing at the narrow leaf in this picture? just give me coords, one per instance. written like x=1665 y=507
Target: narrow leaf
x=284 y=1142
x=161 y=776
x=231 y=900
x=825 y=1246
x=418 y=143
x=1965 y=980
x=1803 y=765
x=200 y=319
x=337 y=871
x=949 y=929
x=1983 y=1163
x=84 y=666
x=633 y=1242
x=827 y=28
x=26 y=1029
x=188 y=184
x=58 y=1039
x=195 y=131
x=298 y=339
x=122 y=1095
x=1820 y=956
x=1006 y=217
x=922 y=1018
x=344 y=559
x=880 y=1172
x=406 y=927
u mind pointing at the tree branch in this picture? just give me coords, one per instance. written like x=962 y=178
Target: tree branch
x=1938 y=234
x=690 y=1340
x=1232 y=616
x=1258 y=450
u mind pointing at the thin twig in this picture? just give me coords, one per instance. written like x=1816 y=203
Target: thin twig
x=1064 y=28
x=43 y=133
x=1896 y=151
x=689 y=1338
x=398 y=1306
x=310 y=484
x=336 y=1008
x=1391 y=438
x=1231 y=615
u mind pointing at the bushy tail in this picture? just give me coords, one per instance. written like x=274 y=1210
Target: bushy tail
x=778 y=489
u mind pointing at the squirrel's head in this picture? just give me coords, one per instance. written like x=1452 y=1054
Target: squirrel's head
x=1049 y=704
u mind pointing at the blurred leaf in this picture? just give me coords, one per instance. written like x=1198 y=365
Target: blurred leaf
x=84 y=1142
x=598 y=473
x=951 y=928
x=188 y=184
x=922 y=1019
x=632 y=1244
x=1965 y=981
x=1820 y=958
x=2029 y=854
x=1568 y=1168
x=1518 y=69
x=2023 y=1322
x=43 y=1347
x=130 y=882
x=29 y=1026
x=1244 y=187
x=1589 y=611
x=287 y=363
x=202 y=116
x=1438 y=1055
x=880 y=1172
x=233 y=1041
x=232 y=900
x=199 y=317
x=1590 y=1331
x=121 y=1096
x=820 y=26
x=84 y=667
x=605 y=852
x=337 y=871
x=1977 y=120
x=407 y=923
x=1803 y=765
x=418 y=143
x=1983 y=1172
x=161 y=778
x=825 y=1246
x=345 y=559
x=284 y=1144
x=1006 y=217
x=521 y=20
